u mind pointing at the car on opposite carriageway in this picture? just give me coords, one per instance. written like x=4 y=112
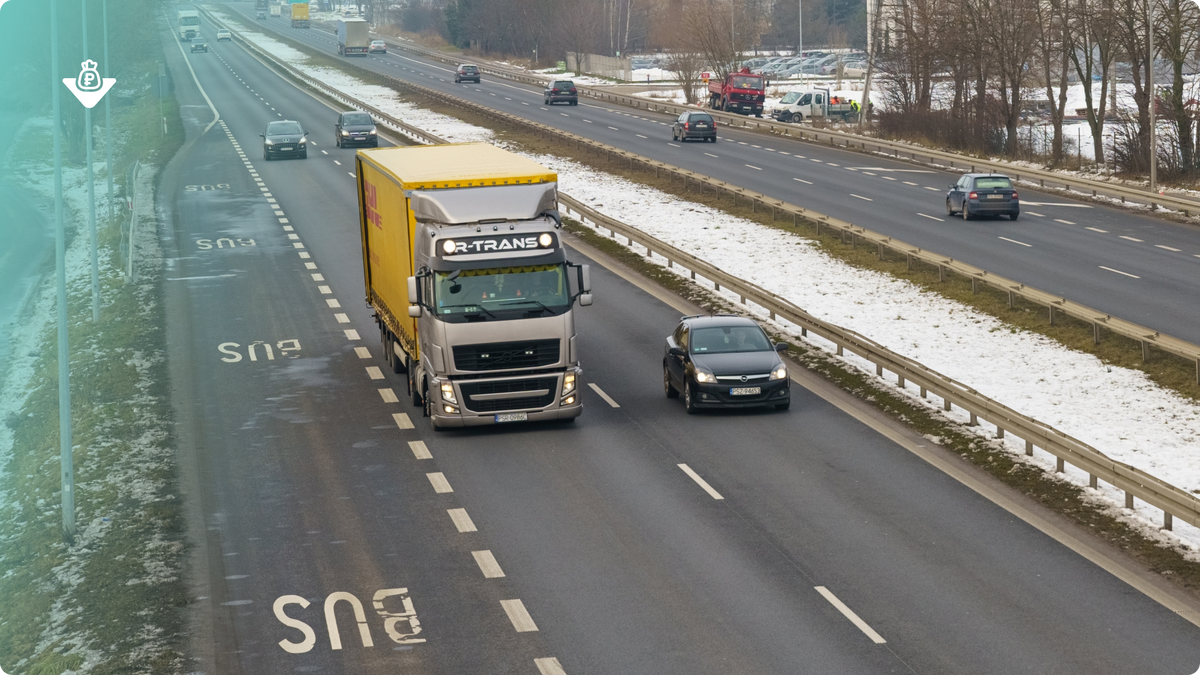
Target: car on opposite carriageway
x=983 y=194
x=724 y=361
x=284 y=138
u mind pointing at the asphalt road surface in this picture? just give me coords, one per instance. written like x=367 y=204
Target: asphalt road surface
x=1128 y=265
x=559 y=548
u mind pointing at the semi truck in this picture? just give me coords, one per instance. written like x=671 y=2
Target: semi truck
x=260 y=5
x=470 y=284
x=797 y=106
x=299 y=14
x=353 y=37
x=189 y=24
x=276 y=10
x=740 y=92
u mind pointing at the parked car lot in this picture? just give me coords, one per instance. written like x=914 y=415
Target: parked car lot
x=983 y=194
x=724 y=361
x=693 y=124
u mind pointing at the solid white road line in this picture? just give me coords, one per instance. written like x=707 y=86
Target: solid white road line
x=1096 y=229
x=549 y=666
x=1016 y=242
x=374 y=373
x=402 y=420
x=1166 y=248
x=352 y=334
x=801 y=180
x=849 y=614
x=519 y=616
x=487 y=564
x=1120 y=272
x=940 y=220
x=1131 y=238
x=866 y=199
x=363 y=352
x=596 y=388
x=388 y=395
x=701 y=482
x=462 y=522
x=419 y=450
x=439 y=482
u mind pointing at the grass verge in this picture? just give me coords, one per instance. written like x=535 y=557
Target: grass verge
x=1076 y=503
x=109 y=601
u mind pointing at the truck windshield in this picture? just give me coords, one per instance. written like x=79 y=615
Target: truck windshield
x=190 y=21
x=747 y=82
x=501 y=293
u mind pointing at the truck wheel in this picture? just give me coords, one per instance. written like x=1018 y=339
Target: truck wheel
x=396 y=359
x=669 y=388
x=415 y=389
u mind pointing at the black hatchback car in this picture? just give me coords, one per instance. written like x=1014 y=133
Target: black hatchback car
x=466 y=73
x=561 y=91
x=199 y=44
x=694 y=125
x=355 y=128
x=724 y=361
x=284 y=138
x=983 y=194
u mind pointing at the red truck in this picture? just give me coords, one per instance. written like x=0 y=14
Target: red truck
x=741 y=92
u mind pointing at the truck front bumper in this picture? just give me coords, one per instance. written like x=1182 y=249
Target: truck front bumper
x=482 y=402
x=470 y=419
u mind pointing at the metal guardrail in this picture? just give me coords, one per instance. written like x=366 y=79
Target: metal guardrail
x=1136 y=484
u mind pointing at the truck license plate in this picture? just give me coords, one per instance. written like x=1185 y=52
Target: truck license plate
x=745 y=391
x=512 y=417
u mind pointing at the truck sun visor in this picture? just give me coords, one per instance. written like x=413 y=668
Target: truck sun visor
x=456 y=206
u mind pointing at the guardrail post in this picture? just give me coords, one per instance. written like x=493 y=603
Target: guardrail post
x=974 y=421
x=1128 y=499
x=839 y=350
x=1060 y=465
x=1093 y=482
x=923 y=392
x=974 y=289
x=1010 y=299
x=941 y=273
x=1167 y=521
x=1051 y=315
x=803 y=332
x=1029 y=448
x=878 y=370
x=1198 y=371
x=946 y=404
x=908 y=261
x=1096 y=335
x=1145 y=351
x=999 y=431
x=900 y=381
x=881 y=250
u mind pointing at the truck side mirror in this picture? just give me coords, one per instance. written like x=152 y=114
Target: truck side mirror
x=415 y=307
x=586 y=283
x=585 y=300
x=416 y=311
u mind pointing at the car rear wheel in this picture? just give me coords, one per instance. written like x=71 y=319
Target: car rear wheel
x=669 y=388
x=966 y=212
x=689 y=402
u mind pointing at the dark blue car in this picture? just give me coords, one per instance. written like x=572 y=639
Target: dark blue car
x=983 y=194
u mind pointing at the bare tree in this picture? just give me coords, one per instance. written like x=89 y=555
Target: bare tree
x=722 y=31
x=1176 y=24
x=1053 y=46
x=1092 y=48
x=1011 y=41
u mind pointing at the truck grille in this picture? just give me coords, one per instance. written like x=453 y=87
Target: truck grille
x=509 y=386
x=506 y=355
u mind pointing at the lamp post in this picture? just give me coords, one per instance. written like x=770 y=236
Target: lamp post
x=108 y=143
x=91 y=187
x=800 y=38
x=1153 y=98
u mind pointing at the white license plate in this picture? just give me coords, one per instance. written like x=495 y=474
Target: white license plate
x=512 y=417
x=995 y=196
x=745 y=391
x=284 y=149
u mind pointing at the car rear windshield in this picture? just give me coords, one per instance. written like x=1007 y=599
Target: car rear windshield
x=993 y=182
x=283 y=128
x=470 y=69
x=729 y=339
x=360 y=118
x=699 y=117
x=564 y=84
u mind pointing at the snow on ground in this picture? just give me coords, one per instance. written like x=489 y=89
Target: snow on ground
x=1118 y=411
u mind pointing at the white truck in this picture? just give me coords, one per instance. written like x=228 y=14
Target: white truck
x=189 y=24
x=797 y=106
x=276 y=11
x=353 y=37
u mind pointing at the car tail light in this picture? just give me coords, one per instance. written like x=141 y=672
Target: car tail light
x=973 y=195
x=686 y=125
x=714 y=124
x=553 y=91
x=1014 y=194
x=572 y=91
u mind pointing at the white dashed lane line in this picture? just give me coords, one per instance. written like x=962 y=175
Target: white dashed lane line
x=1096 y=229
x=700 y=481
x=462 y=521
x=801 y=180
x=933 y=188
x=940 y=220
x=1064 y=222
x=419 y=450
x=519 y=616
x=1035 y=213
x=1167 y=248
x=849 y=614
x=712 y=155
x=751 y=166
x=487 y=564
x=388 y=395
x=607 y=399
x=1014 y=241
x=1132 y=239
x=1134 y=276
x=866 y=199
x=439 y=482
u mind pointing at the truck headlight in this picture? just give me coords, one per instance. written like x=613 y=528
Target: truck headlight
x=568 y=383
x=450 y=409
x=569 y=400
x=779 y=373
x=545 y=240
x=448 y=246
x=702 y=376
x=448 y=392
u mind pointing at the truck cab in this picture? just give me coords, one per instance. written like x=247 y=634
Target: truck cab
x=741 y=92
x=799 y=105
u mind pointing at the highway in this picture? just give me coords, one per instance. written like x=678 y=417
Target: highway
x=1129 y=265
x=815 y=540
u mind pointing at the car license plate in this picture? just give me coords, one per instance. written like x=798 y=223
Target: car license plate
x=745 y=391
x=995 y=196
x=701 y=125
x=512 y=417
x=285 y=149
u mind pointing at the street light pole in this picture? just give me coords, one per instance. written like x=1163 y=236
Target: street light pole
x=66 y=462
x=1153 y=98
x=108 y=142
x=91 y=187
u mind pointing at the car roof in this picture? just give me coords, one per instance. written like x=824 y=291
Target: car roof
x=717 y=321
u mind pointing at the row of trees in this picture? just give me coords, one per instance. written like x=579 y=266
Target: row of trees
x=991 y=58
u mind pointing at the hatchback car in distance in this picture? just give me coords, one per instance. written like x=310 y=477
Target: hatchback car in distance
x=694 y=124
x=355 y=128
x=466 y=73
x=262 y=16
x=284 y=138
x=560 y=91
x=223 y=35
x=377 y=47
x=983 y=194
x=724 y=361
